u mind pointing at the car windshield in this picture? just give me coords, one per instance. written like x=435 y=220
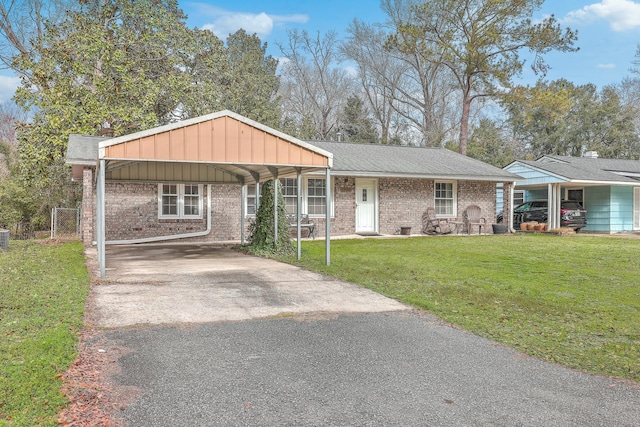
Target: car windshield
x=523 y=207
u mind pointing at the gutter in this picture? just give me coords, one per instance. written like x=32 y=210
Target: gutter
x=173 y=236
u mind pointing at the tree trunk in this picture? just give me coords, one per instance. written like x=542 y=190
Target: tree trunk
x=464 y=123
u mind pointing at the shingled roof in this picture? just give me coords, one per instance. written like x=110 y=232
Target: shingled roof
x=377 y=160
x=588 y=169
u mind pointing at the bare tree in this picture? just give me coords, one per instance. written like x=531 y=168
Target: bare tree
x=23 y=21
x=479 y=42
x=379 y=73
x=629 y=92
x=313 y=85
x=401 y=87
x=10 y=114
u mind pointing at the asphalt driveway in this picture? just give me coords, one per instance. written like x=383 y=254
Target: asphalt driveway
x=221 y=338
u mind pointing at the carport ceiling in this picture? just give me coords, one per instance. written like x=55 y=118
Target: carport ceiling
x=219 y=147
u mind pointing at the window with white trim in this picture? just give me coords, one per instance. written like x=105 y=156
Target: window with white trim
x=313 y=199
x=251 y=202
x=180 y=201
x=289 y=187
x=316 y=196
x=445 y=198
x=518 y=197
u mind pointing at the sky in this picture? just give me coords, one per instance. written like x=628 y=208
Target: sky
x=608 y=30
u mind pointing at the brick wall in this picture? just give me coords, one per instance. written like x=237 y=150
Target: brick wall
x=88 y=207
x=132 y=213
x=506 y=204
x=401 y=203
x=480 y=193
x=343 y=222
x=132 y=208
x=394 y=207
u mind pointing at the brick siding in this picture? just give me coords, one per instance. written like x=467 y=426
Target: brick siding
x=132 y=208
x=88 y=207
x=132 y=213
x=480 y=193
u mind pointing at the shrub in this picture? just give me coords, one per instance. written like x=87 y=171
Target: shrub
x=262 y=238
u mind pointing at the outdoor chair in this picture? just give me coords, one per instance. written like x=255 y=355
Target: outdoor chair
x=305 y=223
x=473 y=216
x=433 y=225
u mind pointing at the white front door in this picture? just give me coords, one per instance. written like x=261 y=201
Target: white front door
x=636 y=208
x=366 y=195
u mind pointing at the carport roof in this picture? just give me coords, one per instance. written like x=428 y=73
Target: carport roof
x=234 y=147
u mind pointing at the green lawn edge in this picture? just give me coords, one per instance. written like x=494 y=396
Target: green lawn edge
x=43 y=291
x=571 y=300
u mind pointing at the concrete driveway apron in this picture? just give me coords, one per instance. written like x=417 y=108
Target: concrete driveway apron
x=169 y=283
x=218 y=351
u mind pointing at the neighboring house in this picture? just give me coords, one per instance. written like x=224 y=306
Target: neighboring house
x=609 y=189
x=199 y=179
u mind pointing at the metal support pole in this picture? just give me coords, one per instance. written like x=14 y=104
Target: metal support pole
x=328 y=218
x=53 y=222
x=78 y=221
x=298 y=212
x=558 y=194
x=275 y=210
x=101 y=219
x=243 y=195
x=257 y=194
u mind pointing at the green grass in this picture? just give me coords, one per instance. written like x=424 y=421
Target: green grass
x=570 y=300
x=42 y=293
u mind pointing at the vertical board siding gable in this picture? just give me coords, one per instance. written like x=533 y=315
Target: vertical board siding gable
x=220 y=140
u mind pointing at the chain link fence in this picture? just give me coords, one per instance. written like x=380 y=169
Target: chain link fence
x=65 y=222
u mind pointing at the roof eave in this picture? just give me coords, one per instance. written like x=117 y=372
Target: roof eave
x=539 y=169
x=369 y=174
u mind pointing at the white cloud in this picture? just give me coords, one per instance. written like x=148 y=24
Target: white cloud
x=351 y=70
x=8 y=86
x=607 y=66
x=620 y=14
x=225 y=22
x=260 y=24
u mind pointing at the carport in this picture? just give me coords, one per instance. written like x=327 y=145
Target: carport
x=222 y=147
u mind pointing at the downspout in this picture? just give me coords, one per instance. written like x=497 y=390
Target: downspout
x=511 y=195
x=100 y=217
x=298 y=210
x=173 y=236
x=551 y=207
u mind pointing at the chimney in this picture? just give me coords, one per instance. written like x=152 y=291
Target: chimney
x=591 y=154
x=106 y=132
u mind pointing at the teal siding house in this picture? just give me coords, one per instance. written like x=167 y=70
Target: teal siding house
x=609 y=189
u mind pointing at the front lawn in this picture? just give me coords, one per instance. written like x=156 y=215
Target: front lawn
x=571 y=300
x=43 y=288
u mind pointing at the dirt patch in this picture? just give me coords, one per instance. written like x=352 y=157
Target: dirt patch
x=94 y=398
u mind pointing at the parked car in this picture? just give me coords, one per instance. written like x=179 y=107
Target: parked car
x=572 y=214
